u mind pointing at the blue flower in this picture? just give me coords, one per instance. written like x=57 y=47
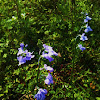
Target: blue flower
x=20 y=51
x=48 y=68
x=26 y=45
x=23 y=56
x=87 y=18
x=43 y=91
x=49 y=52
x=21 y=60
x=83 y=38
x=86 y=13
x=49 y=79
x=22 y=45
x=47 y=56
x=41 y=94
x=29 y=56
x=88 y=29
x=81 y=47
x=47 y=48
x=53 y=53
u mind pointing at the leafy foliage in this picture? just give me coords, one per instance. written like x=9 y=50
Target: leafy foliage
x=56 y=23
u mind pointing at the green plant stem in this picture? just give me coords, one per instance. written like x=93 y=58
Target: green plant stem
x=38 y=70
x=70 y=6
x=18 y=8
x=73 y=64
x=72 y=76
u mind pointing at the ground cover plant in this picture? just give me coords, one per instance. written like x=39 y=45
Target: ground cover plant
x=49 y=50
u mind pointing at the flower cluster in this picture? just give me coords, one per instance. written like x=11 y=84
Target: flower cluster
x=88 y=28
x=81 y=47
x=83 y=37
x=87 y=18
x=23 y=55
x=48 y=68
x=49 y=79
x=41 y=94
x=48 y=52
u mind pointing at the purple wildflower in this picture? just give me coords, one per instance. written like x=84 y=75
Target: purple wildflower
x=43 y=91
x=41 y=94
x=21 y=60
x=26 y=45
x=87 y=18
x=20 y=51
x=47 y=56
x=88 y=29
x=49 y=53
x=29 y=56
x=81 y=47
x=23 y=56
x=22 y=45
x=48 y=68
x=47 y=48
x=49 y=79
x=86 y=13
x=83 y=38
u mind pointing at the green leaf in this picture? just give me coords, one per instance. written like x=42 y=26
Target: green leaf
x=28 y=77
x=0 y=88
x=10 y=27
x=46 y=32
x=85 y=85
x=52 y=92
x=1 y=95
x=98 y=98
x=16 y=72
x=2 y=44
x=5 y=55
x=40 y=43
x=17 y=80
x=6 y=91
x=1 y=50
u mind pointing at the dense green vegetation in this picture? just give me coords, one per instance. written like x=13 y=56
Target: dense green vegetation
x=56 y=23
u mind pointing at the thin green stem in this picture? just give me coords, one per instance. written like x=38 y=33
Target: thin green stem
x=18 y=8
x=38 y=69
x=73 y=64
